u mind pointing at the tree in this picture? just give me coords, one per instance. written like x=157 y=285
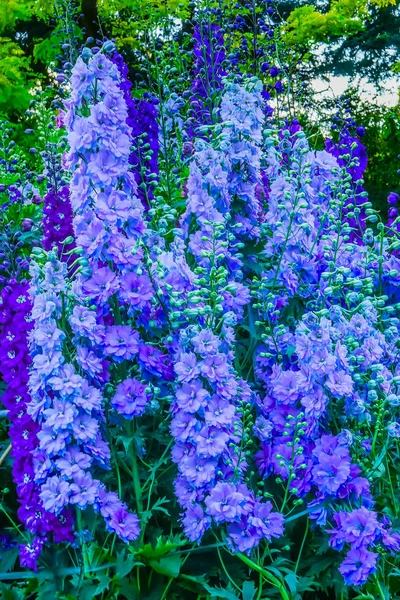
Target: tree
x=352 y=37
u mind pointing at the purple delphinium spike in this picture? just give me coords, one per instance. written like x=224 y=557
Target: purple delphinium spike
x=108 y=219
x=208 y=72
x=142 y=118
x=57 y=221
x=350 y=145
x=210 y=397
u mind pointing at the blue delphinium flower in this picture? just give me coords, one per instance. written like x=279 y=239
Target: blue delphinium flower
x=68 y=409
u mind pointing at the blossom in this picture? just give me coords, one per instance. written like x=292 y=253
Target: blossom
x=211 y=441
x=219 y=412
x=124 y=524
x=187 y=368
x=130 y=398
x=191 y=396
x=206 y=343
x=73 y=462
x=360 y=528
x=55 y=493
x=340 y=383
x=30 y=553
x=102 y=284
x=358 y=565
x=195 y=522
x=226 y=503
x=198 y=471
x=267 y=523
x=83 y=490
x=82 y=320
x=287 y=386
x=136 y=290
x=121 y=341
x=215 y=367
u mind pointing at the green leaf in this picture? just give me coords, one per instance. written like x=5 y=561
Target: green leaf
x=158 y=505
x=162 y=547
x=248 y=590
x=87 y=592
x=221 y=593
x=47 y=586
x=124 y=565
x=7 y=593
x=168 y=565
x=291 y=580
x=8 y=560
x=104 y=582
x=192 y=583
x=127 y=441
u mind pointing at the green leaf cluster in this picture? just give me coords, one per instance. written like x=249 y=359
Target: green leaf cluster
x=306 y=25
x=16 y=77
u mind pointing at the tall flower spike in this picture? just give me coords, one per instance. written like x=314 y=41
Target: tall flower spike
x=57 y=222
x=108 y=219
x=69 y=411
x=142 y=118
x=352 y=154
x=16 y=325
x=208 y=72
x=211 y=399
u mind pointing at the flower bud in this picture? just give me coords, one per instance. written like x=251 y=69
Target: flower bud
x=27 y=224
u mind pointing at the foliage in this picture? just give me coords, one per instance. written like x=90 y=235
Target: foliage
x=360 y=38
x=306 y=25
x=15 y=77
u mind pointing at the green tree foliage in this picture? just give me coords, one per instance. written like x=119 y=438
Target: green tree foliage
x=382 y=139
x=128 y=20
x=15 y=77
x=18 y=74
x=361 y=37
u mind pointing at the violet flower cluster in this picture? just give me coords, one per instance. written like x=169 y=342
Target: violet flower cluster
x=208 y=72
x=111 y=299
x=351 y=154
x=108 y=226
x=57 y=222
x=336 y=362
x=16 y=325
x=211 y=400
x=142 y=119
x=108 y=219
x=68 y=409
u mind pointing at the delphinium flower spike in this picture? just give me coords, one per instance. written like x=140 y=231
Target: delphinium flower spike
x=211 y=400
x=68 y=409
x=16 y=326
x=142 y=119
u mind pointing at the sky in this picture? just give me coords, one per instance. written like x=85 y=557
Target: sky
x=337 y=85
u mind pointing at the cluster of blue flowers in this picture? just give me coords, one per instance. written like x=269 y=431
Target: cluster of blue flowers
x=261 y=319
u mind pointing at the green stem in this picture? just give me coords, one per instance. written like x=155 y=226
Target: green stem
x=14 y=524
x=266 y=574
x=83 y=545
x=260 y=586
x=136 y=483
x=136 y=479
x=391 y=487
x=380 y=590
x=302 y=546
x=226 y=571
